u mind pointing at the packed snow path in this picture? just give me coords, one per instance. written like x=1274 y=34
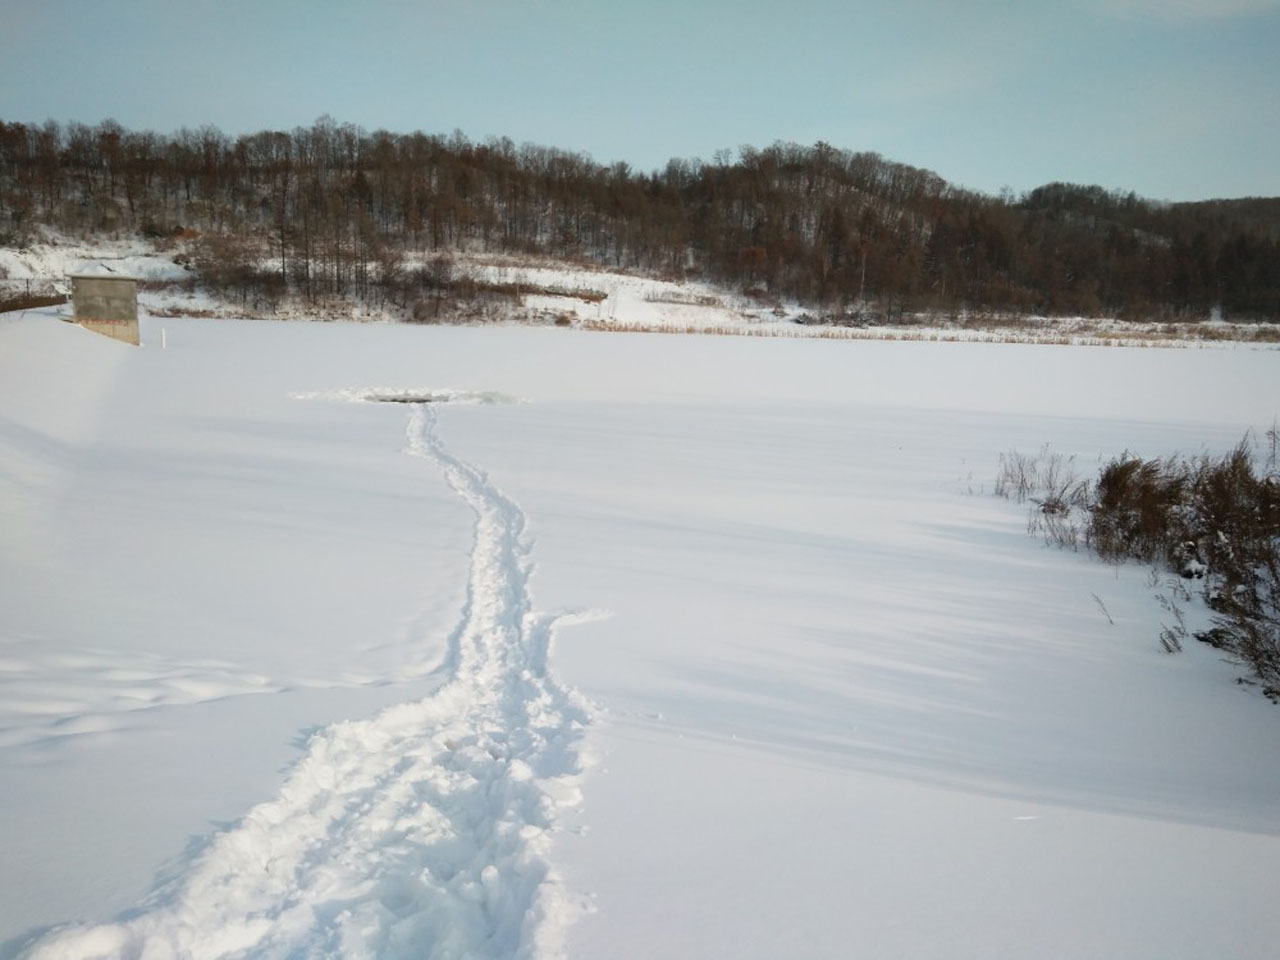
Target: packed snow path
x=421 y=832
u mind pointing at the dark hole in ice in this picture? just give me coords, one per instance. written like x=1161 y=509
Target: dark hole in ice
x=409 y=398
x=436 y=396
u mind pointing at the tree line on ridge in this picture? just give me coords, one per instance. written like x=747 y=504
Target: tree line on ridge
x=333 y=211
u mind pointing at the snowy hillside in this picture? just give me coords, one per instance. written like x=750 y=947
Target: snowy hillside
x=546 y=291
x=656 y=646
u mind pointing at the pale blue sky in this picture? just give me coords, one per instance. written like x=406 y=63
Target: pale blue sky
x=1175 y=99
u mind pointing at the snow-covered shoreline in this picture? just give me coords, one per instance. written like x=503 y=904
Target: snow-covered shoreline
x=619 y=301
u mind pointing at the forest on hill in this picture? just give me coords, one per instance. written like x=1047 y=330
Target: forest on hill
x=331 y=210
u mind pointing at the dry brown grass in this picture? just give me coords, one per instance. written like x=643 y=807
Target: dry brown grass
x=181 y=312
x=683 y=299
x=30 y=302
x=1212 y=523
x=1031 y=335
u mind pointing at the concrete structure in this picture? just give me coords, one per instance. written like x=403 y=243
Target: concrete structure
x=106 y=302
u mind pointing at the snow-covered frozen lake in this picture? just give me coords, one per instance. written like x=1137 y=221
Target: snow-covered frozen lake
x=669 y=646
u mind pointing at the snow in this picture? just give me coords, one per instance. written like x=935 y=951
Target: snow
x=432 y=817
x=100 y=269
x=706 y=646
x=57 y=258
x=597 y=297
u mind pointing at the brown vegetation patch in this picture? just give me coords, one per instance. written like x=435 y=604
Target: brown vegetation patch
x=1214 y=522
x=30 y=301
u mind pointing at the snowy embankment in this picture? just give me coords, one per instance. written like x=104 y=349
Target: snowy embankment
x=844 y=705
x=599 y=298
x=50 y=263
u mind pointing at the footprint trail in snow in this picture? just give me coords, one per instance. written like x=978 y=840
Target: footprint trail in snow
x=423 y=831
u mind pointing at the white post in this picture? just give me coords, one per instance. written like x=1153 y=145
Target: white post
x=162 y=338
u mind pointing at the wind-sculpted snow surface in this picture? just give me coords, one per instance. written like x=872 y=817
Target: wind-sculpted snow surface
x=48 y=695
x=421 y=832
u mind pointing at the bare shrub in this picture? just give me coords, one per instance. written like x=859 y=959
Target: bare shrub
x=1136 y=509
x=1236 y=512
x=1058 y=488
x=1059 y=529
x=1212 y=521
x=1047 y=480
x=1208 y=520
x=680 y=297
x=1015 y=476
x=32 y=302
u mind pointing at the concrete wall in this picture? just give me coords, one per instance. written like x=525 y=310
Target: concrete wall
x=107 y=305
